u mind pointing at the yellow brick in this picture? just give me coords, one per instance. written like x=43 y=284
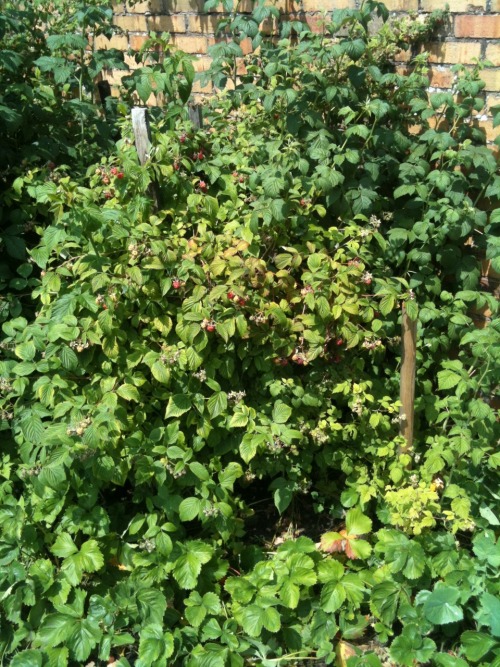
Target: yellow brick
x=488 y=129
x=119 y=42
x=191 y=44
x=324 y=5
x=176 y=6
x=132 y=23
x=493 y=53
x=198 y=88
x=138 y=7
x=401 y=5
x=492 y=101
x=206 y=23
x=491 y=78
x=201 y=63
x=453 y=52
x=455 y=5
x=495 y=5
x=175 y=23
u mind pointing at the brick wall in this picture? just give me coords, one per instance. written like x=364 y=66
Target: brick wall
x=473 y=32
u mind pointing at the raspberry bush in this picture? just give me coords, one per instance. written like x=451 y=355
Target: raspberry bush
x=202 y=463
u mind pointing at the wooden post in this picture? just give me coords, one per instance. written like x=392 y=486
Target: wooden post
x=142 y=133
x=142 y=136
x=104 y=91
x=407 y=388
x=195 y=115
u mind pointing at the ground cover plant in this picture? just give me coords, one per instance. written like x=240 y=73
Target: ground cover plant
x=201 y=459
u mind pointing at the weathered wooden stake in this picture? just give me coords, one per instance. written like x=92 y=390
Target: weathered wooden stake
x=407 y=388
x=142 y=133
x=142 y=136
x=195 y=115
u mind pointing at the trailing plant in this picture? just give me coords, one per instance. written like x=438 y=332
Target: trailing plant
x=202 y=461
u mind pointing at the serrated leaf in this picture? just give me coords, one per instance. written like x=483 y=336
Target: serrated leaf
x=28 y=658
x=440 y=606
x=332 y=597
x=476 y=644
x=129 y=392
x=281 y=412
x=217 y=404
x=152 y=605
x=357 y=523
x=64 y=546
x=447 y=379
x=178 y=405
x=189 y=508
x=160 y=372
x=90 y=556
x=32 y=428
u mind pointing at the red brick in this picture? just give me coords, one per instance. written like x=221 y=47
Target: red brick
x=137 y=41
x=441 y=78
x=477 y=26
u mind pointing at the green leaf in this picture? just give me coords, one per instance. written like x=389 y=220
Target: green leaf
x=129 y=392
x=32 y=428
x=410 y=646
x=440 y=606
x=160 y=372
x=333 y=596
x=64 y=546
x=281 y=412
x=189 y=509
x=178 y=405
x=447 y=660
x=85 y=637
x=487 y=548
x=152 y=605
x=29 y=658
x=55 y=629
x=290 y=594
x=249 y=445
x=187 y=567
x=155 y=646
x=283 y=497
x=217 y=404
x=91 y=558
x=489 y=613
x=447 y=379
x=200 y=471
x=384 y=600
x=476 y=644
x=357 y=523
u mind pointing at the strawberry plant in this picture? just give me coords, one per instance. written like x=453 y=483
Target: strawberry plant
x=202 y=462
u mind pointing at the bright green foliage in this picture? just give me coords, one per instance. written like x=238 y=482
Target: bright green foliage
x=193 y=373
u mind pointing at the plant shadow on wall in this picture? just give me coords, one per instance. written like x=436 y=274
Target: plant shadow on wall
x=240 y=343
